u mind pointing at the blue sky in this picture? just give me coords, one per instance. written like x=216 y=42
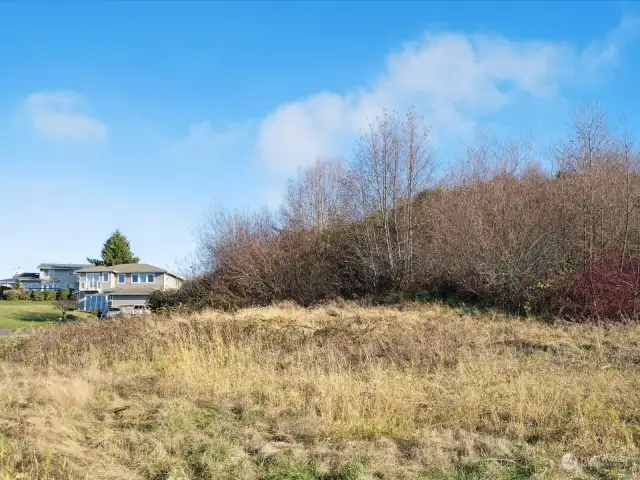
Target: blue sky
x=139 y=115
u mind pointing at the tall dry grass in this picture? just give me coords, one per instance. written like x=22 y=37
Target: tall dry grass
x=341 y=392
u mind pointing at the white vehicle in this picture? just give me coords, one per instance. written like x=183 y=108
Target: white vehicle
x=127 y=310
x=140 y=310
x=112 y=312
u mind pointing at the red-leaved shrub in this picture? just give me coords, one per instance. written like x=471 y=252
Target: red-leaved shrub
x=606 y=289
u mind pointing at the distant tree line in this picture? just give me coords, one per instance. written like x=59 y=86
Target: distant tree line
x=495 y=229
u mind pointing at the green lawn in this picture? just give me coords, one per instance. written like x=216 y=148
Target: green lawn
x=27 y=314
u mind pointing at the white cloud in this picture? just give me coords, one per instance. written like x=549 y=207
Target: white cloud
x=203 y=141
x=607 y=50
x=60 y=116
x=453 y=79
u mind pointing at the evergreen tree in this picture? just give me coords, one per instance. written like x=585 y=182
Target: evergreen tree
x=116 y=251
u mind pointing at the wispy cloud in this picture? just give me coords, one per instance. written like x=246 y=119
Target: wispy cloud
x=61 y=116
x=607 y=50
x=453 y=79
x=203 y=141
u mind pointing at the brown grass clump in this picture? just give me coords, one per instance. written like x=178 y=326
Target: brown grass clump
x=339 y=392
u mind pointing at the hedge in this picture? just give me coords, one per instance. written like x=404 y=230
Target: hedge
x=38 y=295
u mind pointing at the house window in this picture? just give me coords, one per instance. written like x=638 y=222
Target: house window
x=105 y=276
x=135 y=278
x=121 y=278
x=151 y=277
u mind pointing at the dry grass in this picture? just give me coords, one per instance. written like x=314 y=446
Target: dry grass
x=327 y=393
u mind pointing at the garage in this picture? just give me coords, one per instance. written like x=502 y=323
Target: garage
x=121 y=300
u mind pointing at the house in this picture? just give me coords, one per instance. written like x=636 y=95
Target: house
x=29 y=281
x=122 y=285
x=57 y=276
x=51 y=276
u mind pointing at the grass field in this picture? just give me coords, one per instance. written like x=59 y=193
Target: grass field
x=339 y=393
x=26 y=314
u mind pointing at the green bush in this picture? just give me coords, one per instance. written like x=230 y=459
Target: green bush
x=14 y=295
x=63 y=294
x=50 y=295
x=37 y=295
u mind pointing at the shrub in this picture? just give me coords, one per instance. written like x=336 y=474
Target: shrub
x=195 y=294
x=50 y=295
x=14 y=295
x=603 y=290
x=163 y=299
x=63 y=294
x=37 y=295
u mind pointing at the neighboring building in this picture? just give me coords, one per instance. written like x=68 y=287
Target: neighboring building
x=57 y=276
x=52 y=276
x=122 y=285
x=29 y=281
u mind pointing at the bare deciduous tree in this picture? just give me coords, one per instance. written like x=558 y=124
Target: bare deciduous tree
x=393 y=162
x=498 y=229
x=314 y=198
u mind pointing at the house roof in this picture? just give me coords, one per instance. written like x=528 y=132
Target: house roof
x=131 y=290
x=124 y=268
x=128 y=268
x=24 y=277
x=30 y=277
x=43 y=266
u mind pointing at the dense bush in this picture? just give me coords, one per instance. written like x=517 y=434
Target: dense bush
x=195 y=294
x=50 y=295
x=299 y=265
x=37 y=295
x=495 y=231
x=14 y=295
x=607 y=289
x=63 y=294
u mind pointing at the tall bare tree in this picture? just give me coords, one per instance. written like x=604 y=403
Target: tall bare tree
x=393 y=162
x=629 y=160
x=584 y=159
x=314 y=197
